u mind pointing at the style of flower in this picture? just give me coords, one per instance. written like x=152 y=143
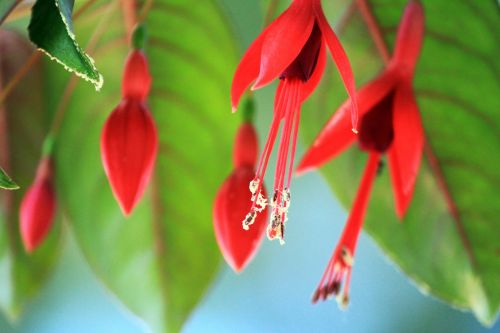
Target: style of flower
x=232 y=202
x=389 y=123
x=293 y=49
x=38 y=207
x=129 y=140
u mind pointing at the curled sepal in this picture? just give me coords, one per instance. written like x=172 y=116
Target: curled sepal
x=232 y=203
x=136 y=78
x=129 y=145
x=38 y=207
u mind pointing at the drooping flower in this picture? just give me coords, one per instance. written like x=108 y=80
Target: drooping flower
x=38 y=207
x=233 y=201
x=129 y=140
x=390 y=124
x=293 y=49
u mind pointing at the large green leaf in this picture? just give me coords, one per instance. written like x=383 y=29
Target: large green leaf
x=25 y=122
x=160 y=261
x=51 y=29
x=457 y=84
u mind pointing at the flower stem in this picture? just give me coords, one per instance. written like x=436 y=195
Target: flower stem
x=374 y=29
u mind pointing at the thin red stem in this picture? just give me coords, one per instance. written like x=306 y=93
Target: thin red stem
x=374 y=29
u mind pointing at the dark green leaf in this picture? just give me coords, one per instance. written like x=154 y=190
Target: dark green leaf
x=51 y=29
x=457 y=84
x=160 y=261
x=26 y=124
x=6 y=182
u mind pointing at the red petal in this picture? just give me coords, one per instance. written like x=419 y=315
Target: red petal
x=129 y=145
x=284 y=41
x=245 y=147
x=232 y=203
x=406 y=152
x=38 y=208
x=341 y=60
x=247 y=71
x=136 y=78
x=336 y=136
x=410 y=35
x=308 y=87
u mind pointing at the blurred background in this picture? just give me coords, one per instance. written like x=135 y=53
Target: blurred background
x=273 y=293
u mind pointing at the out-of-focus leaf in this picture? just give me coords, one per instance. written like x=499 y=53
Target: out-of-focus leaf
x=25 y=122
x=51 y=29
x=6 y=7
x=160 y=261
x=6 y=182
x=457 y=85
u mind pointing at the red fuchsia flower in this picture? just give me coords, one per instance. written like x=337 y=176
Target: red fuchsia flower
x=389 y=123
x=38 y=207
x=129 y=140
x=293 y=49
x=232 y=202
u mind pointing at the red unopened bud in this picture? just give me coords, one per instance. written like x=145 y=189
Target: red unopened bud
x=136 y=78
x=128 y=149
x=38 y=207
x=246 y=146
x=232 y=204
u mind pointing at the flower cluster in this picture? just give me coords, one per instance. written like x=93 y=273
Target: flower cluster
x=293 y=49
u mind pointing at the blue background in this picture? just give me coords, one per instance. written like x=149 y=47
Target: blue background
x=273 y=294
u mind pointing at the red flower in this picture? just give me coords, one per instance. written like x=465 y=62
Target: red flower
x=129 y=139
x=233 y=201
x=293 y=49
x=389 y=123
x=38 y=207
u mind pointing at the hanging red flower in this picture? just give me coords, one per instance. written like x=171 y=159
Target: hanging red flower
x=389 y=123
x=293 y=49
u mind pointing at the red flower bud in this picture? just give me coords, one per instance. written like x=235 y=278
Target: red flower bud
x=246 y=146
x=136 y=78
x=232 y=204
x=129 y=141
x=128 y=149
x=38 y=207
x=239 y=234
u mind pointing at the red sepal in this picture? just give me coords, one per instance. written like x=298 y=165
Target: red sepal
x=406 y=152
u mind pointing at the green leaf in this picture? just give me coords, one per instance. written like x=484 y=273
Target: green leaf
x=6 y=182
x=457 y=85
x=160 y=261
x=51 y=29
x=26 y=123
